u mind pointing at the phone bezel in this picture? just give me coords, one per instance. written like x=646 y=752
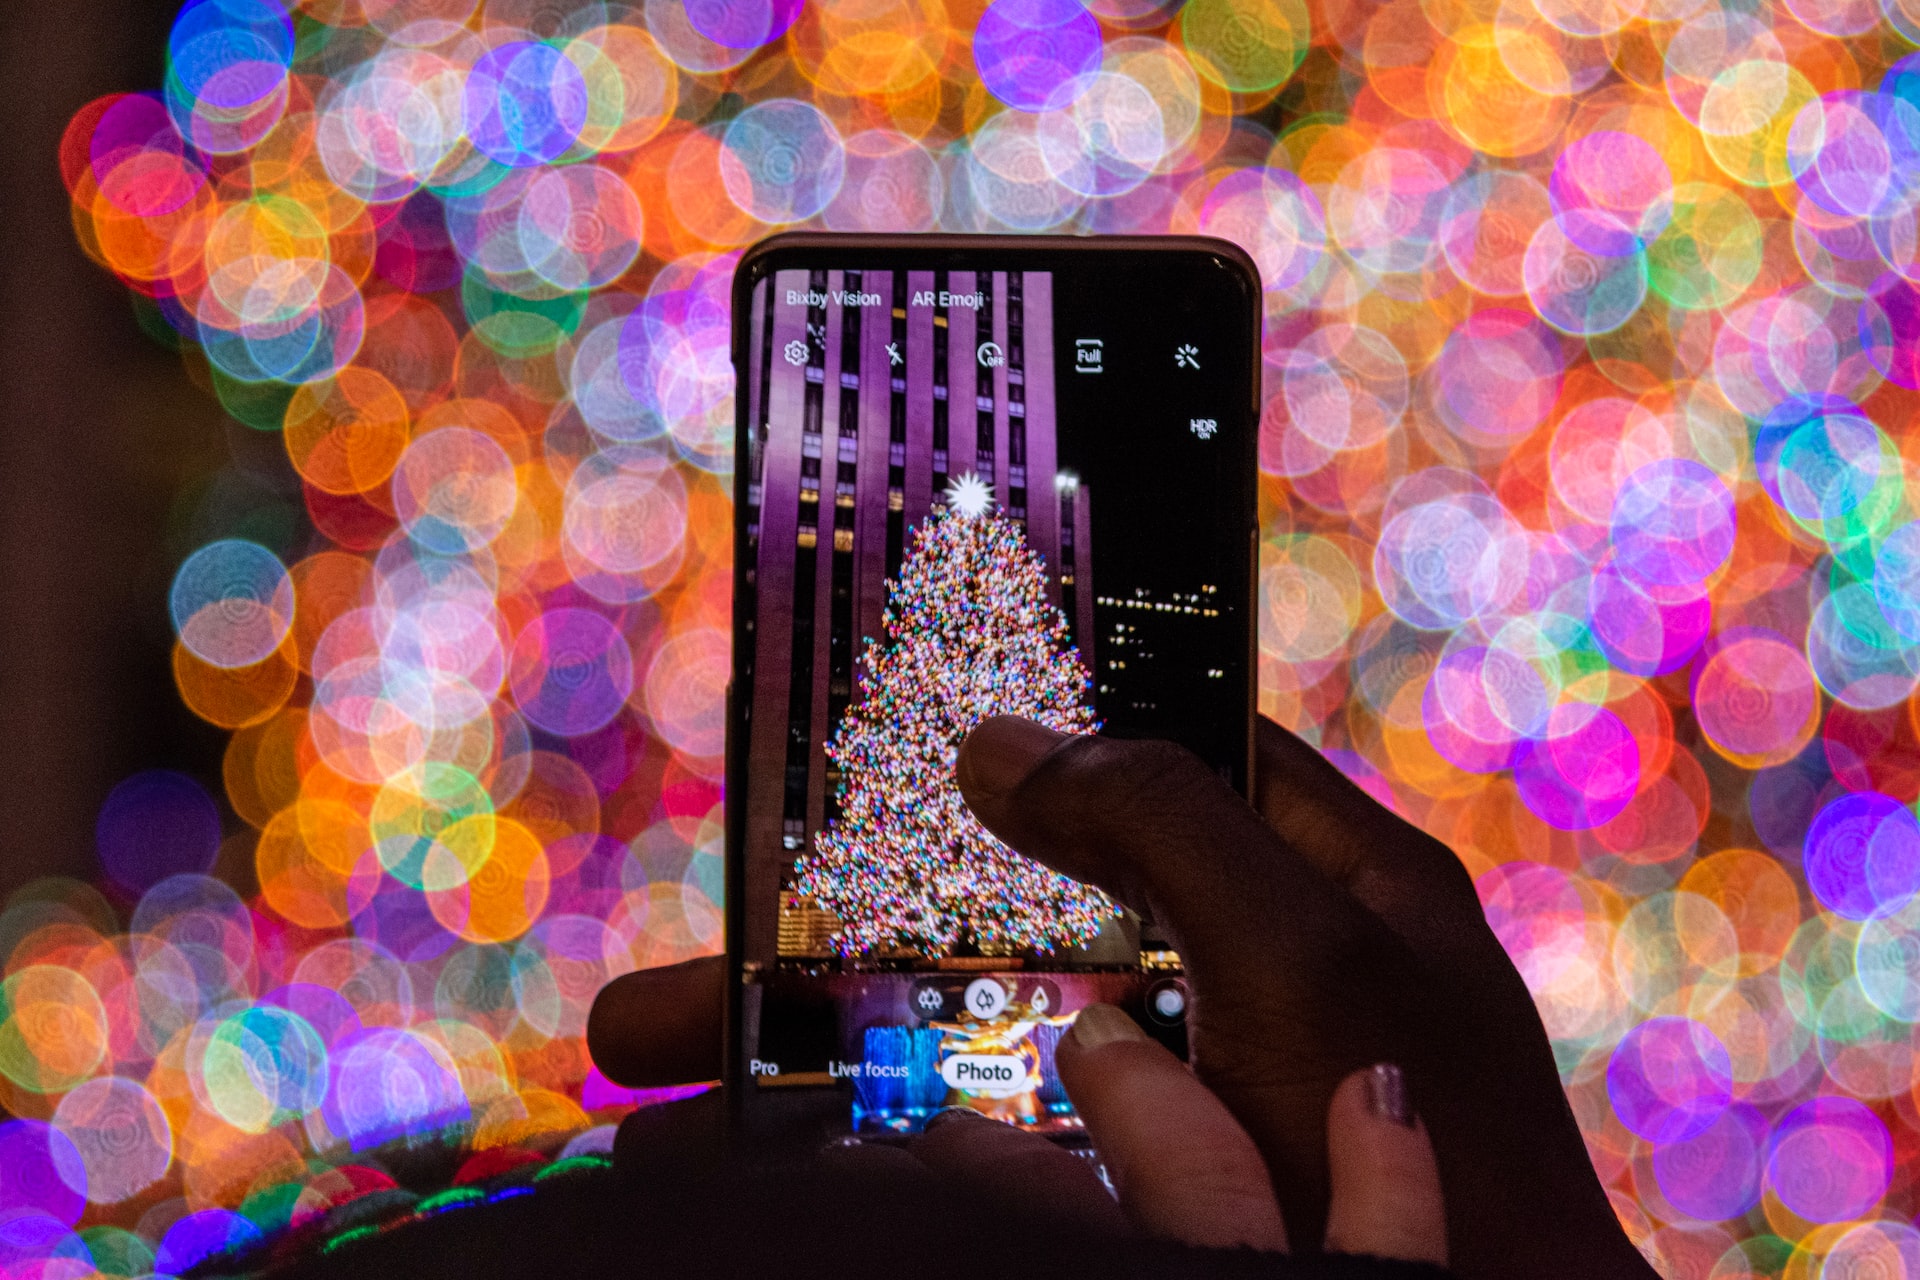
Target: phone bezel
x=839 y=251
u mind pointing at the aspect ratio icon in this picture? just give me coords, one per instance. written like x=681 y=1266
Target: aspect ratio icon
x=990 y=355
x=1089 y=355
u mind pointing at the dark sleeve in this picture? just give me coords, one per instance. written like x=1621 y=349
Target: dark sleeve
x=600 y=1224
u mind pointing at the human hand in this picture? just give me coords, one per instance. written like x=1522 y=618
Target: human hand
x=1183 y=1168
x=1321 y=933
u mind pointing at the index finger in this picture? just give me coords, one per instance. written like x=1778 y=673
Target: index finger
x=1150 y=824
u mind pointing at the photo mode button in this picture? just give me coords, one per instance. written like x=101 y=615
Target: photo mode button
x=994 y=1075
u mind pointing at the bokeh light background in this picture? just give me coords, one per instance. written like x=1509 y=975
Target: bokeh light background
x=1592 y=345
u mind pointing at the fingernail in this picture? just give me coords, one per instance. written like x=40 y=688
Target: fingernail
x=1099 y=1024
x=946 y=1116
x=1387 y=1095
x=1002 y=761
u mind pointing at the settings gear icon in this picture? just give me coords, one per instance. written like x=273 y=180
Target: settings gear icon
x=796 y=352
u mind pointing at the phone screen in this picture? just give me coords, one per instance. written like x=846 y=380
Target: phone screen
x=971 y=484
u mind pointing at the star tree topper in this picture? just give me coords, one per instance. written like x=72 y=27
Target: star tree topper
x=970 y=495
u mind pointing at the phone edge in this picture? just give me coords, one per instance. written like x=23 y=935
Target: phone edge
x=759 y=260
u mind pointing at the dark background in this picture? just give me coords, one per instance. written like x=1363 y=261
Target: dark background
x=1171 y=512
x=101 y=432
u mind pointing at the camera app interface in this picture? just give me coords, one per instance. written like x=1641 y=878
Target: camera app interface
x=968 y=493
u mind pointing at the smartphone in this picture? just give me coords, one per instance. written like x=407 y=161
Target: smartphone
x=975 y=475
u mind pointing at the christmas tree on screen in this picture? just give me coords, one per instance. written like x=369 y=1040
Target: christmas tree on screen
x=968 y=633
